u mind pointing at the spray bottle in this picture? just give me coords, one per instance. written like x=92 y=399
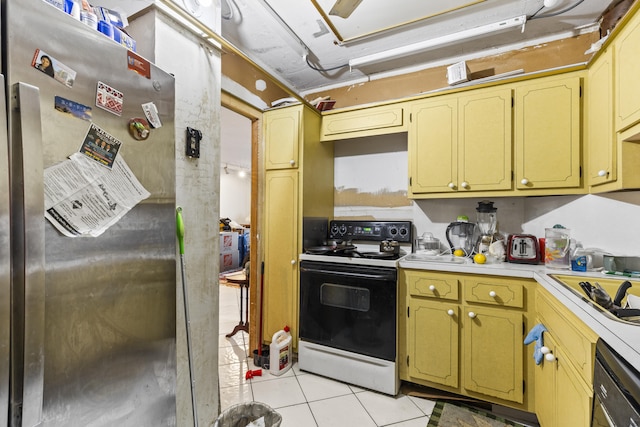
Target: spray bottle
x=280 y=352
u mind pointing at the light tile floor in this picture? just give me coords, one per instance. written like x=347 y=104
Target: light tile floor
x=304 y=399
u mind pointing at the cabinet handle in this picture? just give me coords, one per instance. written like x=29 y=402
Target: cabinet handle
x=549 y=357
x=492 y=294
x=432 y=288
x=451 y=185
x=472 y=315
x=524 y=181
x=603 y=173
x=292 y=162
x=545 y=350
x=450 y=312
x=293 y=262
x=465 y=184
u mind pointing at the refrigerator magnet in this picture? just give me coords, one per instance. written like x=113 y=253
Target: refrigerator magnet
x=100 y=146
x=53 y=68
x=138 y=64
x=73 y=108
x=139 y=128
x=151 y=112
x=109 y=99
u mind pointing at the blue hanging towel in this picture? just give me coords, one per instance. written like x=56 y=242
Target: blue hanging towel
x=535 y=334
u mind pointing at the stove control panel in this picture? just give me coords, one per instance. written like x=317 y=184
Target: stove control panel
x=370 y=230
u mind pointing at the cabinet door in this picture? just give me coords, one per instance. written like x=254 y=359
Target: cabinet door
x=484 y=140
x=282 y=137
x=281 y=251
x=433 y=341
x=545 y=386
x=573 y=396
x=601 y=139
x=433 y=148
x=547 y=133
x=627 y=71
x=493 y=340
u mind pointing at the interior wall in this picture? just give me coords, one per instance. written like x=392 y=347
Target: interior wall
x=235 y=197
x=197 y=105
x=235 y=155
x=545 y=56
x=368 y=170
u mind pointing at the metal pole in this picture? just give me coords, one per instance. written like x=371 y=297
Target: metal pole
x=180 y=232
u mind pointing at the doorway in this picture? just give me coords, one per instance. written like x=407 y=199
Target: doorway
x=240 y=136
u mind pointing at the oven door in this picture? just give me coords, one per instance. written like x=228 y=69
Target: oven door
x=349 y=307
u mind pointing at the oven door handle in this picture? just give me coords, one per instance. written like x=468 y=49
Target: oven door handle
x=347 y=274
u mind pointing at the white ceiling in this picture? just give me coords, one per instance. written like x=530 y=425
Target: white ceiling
x=308 y=49
x=280 y=34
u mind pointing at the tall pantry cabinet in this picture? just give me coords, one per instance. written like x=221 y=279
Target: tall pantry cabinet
x=298 y=184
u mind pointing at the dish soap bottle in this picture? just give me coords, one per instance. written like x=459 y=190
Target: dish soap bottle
x=280 y=352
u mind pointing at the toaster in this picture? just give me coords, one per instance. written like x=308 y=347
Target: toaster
x=523 y=249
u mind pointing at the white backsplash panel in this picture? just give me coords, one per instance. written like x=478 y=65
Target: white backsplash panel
x=376 y=167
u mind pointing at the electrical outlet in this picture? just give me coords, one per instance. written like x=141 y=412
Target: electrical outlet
x=194 y=136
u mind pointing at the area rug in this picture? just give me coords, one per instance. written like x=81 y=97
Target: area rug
x=447 y=414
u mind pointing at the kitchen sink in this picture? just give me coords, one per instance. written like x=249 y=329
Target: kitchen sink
x=610 y=285
x=449 y=259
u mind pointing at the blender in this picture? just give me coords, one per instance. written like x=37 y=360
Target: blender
x=460 y=235
x=487 y=222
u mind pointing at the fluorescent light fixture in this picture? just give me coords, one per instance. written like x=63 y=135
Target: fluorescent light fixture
x=437 y=41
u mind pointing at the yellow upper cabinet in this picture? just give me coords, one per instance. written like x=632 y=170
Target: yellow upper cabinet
x=433 y=145
x=601 y=141
x=627 y=85
x=461 y=143
x=282 y=137
x=381 y=120
x=548 y=133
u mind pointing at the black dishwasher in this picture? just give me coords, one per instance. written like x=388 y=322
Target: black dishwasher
x=616 y=385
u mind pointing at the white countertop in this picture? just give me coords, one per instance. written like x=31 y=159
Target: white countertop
x=623 y=337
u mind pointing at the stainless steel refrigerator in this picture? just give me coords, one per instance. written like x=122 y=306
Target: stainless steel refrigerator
x=87 y=318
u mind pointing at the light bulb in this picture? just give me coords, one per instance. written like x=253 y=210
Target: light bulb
x=550 y=3
x=207 y=3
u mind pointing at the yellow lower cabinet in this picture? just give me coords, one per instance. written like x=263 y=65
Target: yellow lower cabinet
x=493 y=352
x=433 y=341
x=562 y=397
x=456 y=341
x=574 y=398
x=563 y=391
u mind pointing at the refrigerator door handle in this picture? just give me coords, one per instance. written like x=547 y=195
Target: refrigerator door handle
x=29 y=238
x=5 y=260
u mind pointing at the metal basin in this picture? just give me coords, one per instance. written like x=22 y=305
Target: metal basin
x=610 y=285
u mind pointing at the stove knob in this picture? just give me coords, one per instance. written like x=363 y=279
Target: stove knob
x=334 y=230
x=343 y=229
x=404 y=232
x=393 y=231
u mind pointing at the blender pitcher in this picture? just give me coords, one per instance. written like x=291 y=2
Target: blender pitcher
x=460 y=235
x=487 y=224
